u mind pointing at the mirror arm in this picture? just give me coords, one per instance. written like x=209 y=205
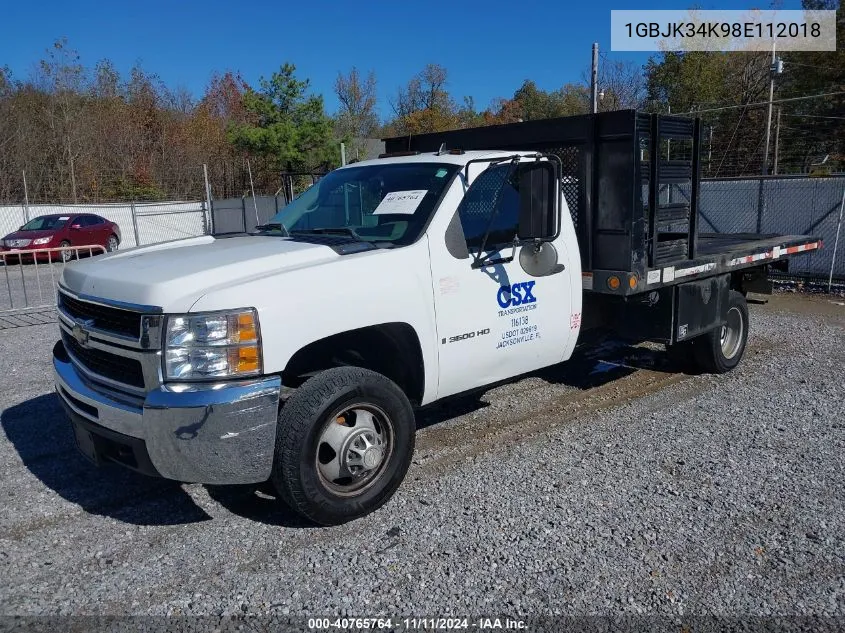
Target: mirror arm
x=481 y=263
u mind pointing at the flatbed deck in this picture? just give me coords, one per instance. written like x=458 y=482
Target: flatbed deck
x=718 y=253
x=740 y=243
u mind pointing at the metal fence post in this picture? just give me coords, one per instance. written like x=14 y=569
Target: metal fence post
x=210 y=222
x=25 y=199
x=836 y=242
x=135 y=223
x=204 y=219
x=760 y=205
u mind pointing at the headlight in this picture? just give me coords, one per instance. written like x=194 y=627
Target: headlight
x=222 y=344
x=42 y=240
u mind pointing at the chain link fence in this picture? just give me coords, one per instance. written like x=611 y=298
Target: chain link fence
x=789 y=205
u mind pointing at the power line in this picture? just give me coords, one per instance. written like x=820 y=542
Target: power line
x=789 y=63
x=760 y=103
x=815 y=116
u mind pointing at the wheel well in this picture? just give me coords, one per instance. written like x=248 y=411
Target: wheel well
x=391 y=349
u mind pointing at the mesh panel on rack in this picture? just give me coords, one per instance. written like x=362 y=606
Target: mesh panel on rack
x=569 y=182
x=481 y=198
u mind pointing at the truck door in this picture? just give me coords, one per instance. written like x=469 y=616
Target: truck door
x=494 y=321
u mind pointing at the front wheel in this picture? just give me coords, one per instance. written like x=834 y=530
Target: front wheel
x=344 y=442
x=65 y=255
x=112 y=244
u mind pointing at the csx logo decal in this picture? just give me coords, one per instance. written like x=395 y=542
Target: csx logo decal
x=516 y=294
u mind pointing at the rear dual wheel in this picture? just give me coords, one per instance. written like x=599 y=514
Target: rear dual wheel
x=719 y=350
x=344 y=442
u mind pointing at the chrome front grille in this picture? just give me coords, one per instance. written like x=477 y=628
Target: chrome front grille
x=102 y=317
x=113 y=346
x=121 y=369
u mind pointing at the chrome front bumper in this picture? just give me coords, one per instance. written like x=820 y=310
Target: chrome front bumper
x=213 y=434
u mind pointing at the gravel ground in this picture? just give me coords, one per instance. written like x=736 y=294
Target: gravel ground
x=607 y=486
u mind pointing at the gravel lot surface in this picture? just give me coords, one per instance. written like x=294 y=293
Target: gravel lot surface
x=611 y=485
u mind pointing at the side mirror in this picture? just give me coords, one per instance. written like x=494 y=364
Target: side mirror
x=75 y=226
x=538 y=208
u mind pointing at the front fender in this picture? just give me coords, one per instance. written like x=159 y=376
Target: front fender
x=302 y=306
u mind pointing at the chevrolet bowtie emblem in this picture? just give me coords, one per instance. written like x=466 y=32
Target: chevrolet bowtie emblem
x=80 y=335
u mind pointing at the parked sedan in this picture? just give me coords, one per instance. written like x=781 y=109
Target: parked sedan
x=53 y=231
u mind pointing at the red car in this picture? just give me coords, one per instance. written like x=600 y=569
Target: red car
x=70 y=229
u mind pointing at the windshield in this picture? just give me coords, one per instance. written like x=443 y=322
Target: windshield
x=376 y=203
x=45 y=223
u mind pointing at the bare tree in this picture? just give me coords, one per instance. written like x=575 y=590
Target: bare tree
x=424 y=104
x=357 y=116
x=622 y=83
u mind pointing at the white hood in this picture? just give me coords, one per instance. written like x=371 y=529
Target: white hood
x=174 y=275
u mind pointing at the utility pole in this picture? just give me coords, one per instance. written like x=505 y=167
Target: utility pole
x=772 y=69
x=777 y=142
x=594 y=79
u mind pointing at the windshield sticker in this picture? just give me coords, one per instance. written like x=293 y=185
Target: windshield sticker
x=402 y=202
x=441 y=172
x=66 y=217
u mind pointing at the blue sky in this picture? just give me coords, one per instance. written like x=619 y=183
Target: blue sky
x=489 y=48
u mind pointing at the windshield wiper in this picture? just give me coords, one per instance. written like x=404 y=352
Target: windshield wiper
x=273 y=226
x=339 y=230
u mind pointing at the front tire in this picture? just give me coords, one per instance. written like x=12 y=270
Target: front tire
x=720 y=350
x=344 y=442
x=112 y=244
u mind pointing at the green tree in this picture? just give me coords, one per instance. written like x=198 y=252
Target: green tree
x=286 y=127
x=814 y=128
x=534 y=103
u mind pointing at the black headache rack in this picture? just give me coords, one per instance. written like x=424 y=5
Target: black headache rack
x=631 y=181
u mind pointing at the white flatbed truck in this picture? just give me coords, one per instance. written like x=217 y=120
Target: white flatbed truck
x=298 y=354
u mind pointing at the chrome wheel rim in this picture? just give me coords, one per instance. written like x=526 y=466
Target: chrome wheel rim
x=732 y=331
x=112 y=245
x=353 y=449
x=66 y=255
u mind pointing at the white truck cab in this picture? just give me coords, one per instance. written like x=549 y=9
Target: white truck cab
x=299 y=353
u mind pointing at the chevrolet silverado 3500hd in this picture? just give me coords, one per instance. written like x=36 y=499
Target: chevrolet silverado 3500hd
x=298 y=354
